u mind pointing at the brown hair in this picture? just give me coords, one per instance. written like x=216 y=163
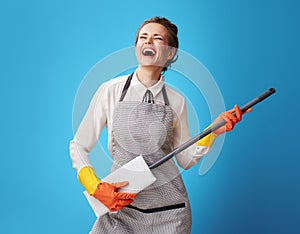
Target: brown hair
x=172 y=38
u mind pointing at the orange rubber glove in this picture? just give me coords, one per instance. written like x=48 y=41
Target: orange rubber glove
x=108 y=195
x=230 y=119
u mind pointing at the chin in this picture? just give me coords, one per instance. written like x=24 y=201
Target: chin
x=150 y=63
x=154 y=66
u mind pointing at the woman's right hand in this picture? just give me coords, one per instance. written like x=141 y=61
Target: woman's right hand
x=108 y=195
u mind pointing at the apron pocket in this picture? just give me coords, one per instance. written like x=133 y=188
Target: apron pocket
x=158 y=209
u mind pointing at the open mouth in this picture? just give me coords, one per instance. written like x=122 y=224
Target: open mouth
x=148 y=52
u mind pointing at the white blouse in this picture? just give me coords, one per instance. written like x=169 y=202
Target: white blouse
x=101 y=110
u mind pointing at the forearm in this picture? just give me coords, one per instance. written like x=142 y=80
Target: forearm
x=195 y=152
x=87 y=177
x=79 y=155
x=85 y=172
x=86 y=137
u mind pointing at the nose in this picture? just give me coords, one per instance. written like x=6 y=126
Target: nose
x=149 y=40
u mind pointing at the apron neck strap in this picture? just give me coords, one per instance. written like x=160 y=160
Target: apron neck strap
x=127 y=84
x=164 y=92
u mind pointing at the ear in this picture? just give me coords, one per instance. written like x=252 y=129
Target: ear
x=172 y=52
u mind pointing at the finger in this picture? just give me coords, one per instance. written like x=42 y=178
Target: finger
x=115 y=208
x=232 y=117
x=247 y=111
x=231 y=110
x=229 y=124
x=124 y=195
x=120 y=204
x=124 y=202
x=238 y=112
x=120 y=184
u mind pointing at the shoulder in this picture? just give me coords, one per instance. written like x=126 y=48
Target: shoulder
x=115 y=82
x=176 y=99
x=112 y=86
x=109 y=91
x=174 y=95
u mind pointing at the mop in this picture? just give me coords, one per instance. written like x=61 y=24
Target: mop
x=139 y=174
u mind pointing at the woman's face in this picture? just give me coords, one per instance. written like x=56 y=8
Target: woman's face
x=152 y=46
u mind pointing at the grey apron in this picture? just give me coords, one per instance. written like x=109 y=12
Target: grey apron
x=146 y=129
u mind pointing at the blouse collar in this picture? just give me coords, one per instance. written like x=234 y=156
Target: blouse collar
x=141 y=89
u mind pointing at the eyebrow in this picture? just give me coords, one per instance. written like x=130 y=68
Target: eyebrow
x=156 y=34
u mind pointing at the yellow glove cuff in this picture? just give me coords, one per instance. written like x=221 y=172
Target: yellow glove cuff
x=207 y=140
x=88 y=179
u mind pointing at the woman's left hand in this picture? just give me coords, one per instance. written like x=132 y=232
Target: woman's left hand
x=230 y=119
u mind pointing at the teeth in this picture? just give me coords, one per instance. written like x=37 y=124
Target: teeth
x=148 y=52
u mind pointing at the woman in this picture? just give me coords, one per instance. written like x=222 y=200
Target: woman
x=145 y=117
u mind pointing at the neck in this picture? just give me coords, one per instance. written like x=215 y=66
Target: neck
x=148 y=75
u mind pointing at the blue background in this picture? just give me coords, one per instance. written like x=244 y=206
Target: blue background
x=249 y=46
